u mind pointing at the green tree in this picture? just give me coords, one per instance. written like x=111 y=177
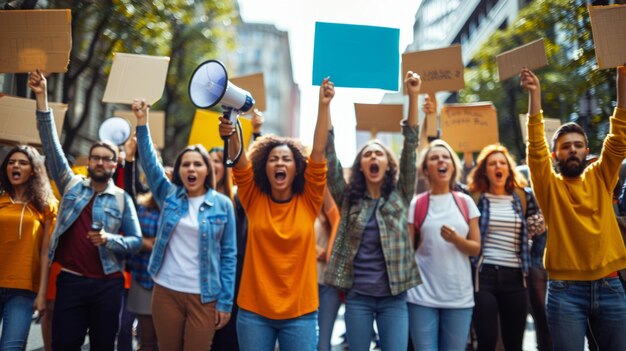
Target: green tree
x=186 y=31
x=571 y=74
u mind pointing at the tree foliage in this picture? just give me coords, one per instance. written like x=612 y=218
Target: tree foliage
x=572 y=73
x=187 y=31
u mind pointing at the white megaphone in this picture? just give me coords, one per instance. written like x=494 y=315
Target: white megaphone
x=115 y=129
x=209 y=86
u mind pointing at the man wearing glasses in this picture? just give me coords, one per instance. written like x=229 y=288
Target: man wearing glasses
x=87 y=239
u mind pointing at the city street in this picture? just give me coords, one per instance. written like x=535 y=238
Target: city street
x=35 y=342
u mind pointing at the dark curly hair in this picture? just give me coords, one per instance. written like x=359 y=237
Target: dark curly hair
x=38 y=189
x=209 y=181
x=357 y=186
x=259 y=153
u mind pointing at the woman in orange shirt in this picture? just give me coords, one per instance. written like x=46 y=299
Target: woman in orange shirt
x=282 y=193
x=27 y=213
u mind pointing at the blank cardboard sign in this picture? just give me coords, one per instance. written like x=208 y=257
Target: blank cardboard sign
x=550 y=127
x=136 y=76
x=378 y=117
x=156 y=123
x=440 y=69
x=17 y=120
x=255 y=85
x=35 y=39
x=469 y=127
x=608 y=25
x=531 y=55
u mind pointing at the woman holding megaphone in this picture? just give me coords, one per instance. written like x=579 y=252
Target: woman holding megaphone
x=282 y=193
x=194 y=256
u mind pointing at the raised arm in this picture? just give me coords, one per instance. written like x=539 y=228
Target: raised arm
x=538 y=152
x=408 y=158
x=155 y=174
x=327 y=92
x=55 y=156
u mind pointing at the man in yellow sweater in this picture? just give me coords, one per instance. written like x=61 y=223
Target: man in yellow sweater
x=585 y=249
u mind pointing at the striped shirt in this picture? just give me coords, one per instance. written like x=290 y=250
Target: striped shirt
x=502 y=242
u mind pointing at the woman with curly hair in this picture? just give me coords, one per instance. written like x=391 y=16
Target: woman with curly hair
x=282 y=193
x=372 y=257
x=27 y=214
x=500 y=271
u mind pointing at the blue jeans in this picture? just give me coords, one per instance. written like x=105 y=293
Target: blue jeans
x=573 y=304
x=257 y=333
x=329 y=306
x=16 y=312
x=392 y=320
x=439 y=328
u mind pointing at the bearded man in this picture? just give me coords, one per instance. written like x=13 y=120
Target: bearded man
x=86 y=240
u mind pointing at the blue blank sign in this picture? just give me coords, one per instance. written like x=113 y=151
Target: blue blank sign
x=356 y=56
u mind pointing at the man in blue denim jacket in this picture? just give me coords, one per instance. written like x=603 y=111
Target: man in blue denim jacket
x=86 y=240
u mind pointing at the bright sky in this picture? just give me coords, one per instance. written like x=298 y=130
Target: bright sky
x=298 y=18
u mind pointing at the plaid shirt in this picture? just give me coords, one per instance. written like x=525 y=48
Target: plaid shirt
x=531 y=209
x=138 y=263
x=391 y=215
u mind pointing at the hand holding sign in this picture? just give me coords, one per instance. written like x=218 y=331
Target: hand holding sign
x=439 y=69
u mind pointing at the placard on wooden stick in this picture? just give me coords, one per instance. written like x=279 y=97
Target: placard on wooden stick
x=376 y=118
x=35 y=39
x=608 y=25
x=531 y=55
x=156 y=123
x=255 y=85
x=469 y=127
x=136 y=76
x=17 y=120
x=440 y=69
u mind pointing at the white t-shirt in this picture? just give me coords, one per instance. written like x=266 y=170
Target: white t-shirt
x=445 y=271
x=180 y=270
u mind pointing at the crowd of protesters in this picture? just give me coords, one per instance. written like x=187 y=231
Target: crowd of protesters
x=262 y=255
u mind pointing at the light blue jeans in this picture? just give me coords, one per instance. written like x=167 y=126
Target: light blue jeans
x=392 y=320
x=439 y=328
x=16 y=312
x=329 y=306
x=257 y=333
x=573 y=304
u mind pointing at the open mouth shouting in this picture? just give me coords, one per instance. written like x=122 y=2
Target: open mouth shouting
x=374 y=169
x=499 y=175
x=442 y=170
x=280 y=175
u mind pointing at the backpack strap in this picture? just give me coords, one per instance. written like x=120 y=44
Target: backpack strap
x=460 y=202
x=421 y=209
x=522 y=197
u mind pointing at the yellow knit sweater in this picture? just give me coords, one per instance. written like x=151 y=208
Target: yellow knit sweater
x=584 y=241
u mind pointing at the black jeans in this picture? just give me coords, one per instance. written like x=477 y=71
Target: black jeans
x=502 y=295
x=86 y=304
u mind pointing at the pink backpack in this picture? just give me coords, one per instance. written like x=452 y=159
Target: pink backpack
x=421 y=209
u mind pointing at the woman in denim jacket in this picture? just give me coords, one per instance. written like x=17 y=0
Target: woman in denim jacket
x=502 y=267
x=372 y=257
x=194 y=256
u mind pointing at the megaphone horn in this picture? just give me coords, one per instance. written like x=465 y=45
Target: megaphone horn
x=209 y=86
x=115 y=129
